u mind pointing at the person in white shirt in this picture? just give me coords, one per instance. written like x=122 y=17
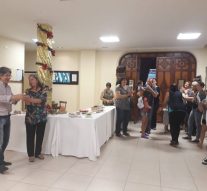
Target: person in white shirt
x=6 y=100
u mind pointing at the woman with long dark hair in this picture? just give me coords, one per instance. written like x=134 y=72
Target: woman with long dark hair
x=36 y=117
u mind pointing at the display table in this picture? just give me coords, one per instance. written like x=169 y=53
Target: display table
x=80 y=137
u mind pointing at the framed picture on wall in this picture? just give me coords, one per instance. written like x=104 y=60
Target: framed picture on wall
x=59 y=77
x=66 y=77
x=17 y=75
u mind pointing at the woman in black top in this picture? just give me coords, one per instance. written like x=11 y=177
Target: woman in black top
x=177 y=112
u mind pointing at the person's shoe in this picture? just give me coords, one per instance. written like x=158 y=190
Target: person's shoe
x=144 y=137
x=31 y=159
x=126 y=134
x=3 y=169
x=205 y=158
x=195 y=141
x=204 y=161
x=187 y=137
x=173 y=143
x=200 y=145
x=41 y=157
x=7 y=163
x=176 y=143
x=118 y=134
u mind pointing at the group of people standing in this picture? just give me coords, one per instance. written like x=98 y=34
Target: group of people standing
x=148 y=104
x=185 y=106
x=196 y=102
x=121 y=99
x=35 y=99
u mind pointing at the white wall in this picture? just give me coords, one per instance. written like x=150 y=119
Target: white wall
x=95 y=69
x=87 y=78
x=201 y=57
x=12 y=54
x=106 y=64
x=70 y=93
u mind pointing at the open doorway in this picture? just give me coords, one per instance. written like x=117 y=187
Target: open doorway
x=170 y=67
x=145 y=65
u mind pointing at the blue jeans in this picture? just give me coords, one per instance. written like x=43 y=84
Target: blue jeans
x=195 y=116
x=122 y=118
x=148 y=129
x=4 y=135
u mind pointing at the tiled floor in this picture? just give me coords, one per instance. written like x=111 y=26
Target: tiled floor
x=126 y=164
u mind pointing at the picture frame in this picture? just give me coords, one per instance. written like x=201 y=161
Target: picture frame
x=66 y=77
x=59 y=77
x=17 y=75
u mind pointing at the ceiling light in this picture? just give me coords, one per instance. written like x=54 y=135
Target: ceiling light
x=188 y=36
x=34 y=40
x=109 y=39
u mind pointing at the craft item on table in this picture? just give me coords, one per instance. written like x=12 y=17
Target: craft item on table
x=54 y=108
x=84 y=111
x=62 y=105
x=74 y=115
x=97 y=109
x=88 y=115
x=62 y=110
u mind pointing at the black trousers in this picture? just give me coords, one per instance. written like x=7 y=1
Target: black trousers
x=175 y=119
x=154 y=116
x=34 y=149
x=122 y=118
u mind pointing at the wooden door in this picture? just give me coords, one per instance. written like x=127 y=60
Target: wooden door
x=165 y=77
x=172 y=70
x=171 y=67
x=132 y=68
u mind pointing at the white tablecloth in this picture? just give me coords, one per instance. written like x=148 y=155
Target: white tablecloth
x=80 y=137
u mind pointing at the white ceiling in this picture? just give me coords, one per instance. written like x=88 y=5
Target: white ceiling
x=78 y=24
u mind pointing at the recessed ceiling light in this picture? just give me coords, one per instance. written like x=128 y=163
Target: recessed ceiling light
x=34 y=40
x=188 y=36
x=109 y=39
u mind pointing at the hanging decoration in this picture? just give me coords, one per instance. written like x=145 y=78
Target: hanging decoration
x=44 y=57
